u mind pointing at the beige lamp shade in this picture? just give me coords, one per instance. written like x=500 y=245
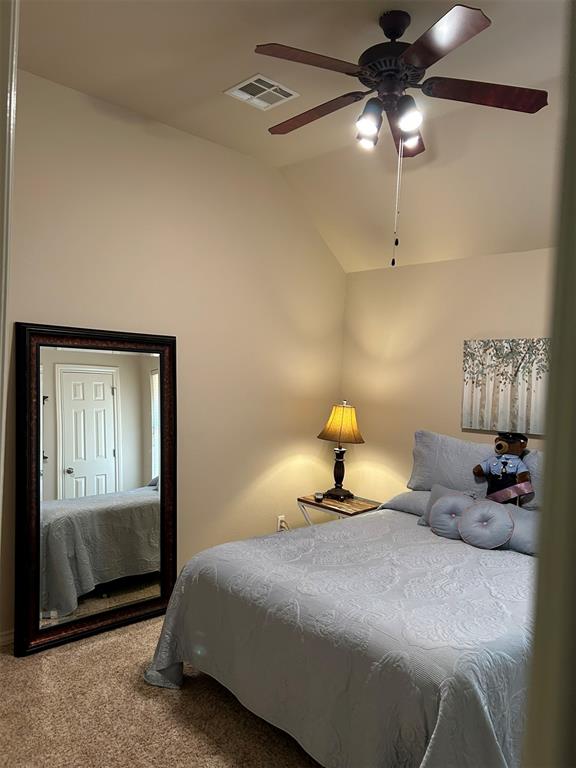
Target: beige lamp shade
x=342 y=426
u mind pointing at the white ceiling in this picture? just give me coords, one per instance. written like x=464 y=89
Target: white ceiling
x=486 y=183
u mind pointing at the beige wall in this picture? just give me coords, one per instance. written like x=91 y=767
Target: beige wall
x=403 y=350
x=123 y=223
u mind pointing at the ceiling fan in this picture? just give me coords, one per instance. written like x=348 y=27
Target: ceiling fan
x=389 y=69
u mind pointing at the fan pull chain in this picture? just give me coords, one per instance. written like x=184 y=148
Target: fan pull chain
x=397 y=202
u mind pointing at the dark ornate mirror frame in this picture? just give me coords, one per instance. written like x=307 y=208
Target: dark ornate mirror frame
x=29 y=637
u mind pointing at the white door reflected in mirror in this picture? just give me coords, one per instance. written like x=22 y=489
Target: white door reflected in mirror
x=87 y=430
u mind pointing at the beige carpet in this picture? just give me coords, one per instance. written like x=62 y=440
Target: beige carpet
x=86 y=704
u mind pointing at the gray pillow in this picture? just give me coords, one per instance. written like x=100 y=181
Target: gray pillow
x=486 y=524
x=448 y=461
x=534 y=460
x=446 y=513
x=437 y=492
x=412 y=502
x=525 y=536
x=154 y=481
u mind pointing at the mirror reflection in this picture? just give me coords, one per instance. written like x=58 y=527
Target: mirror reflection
x=99 y=485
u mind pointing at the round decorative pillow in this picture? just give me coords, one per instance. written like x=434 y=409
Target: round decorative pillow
x=445 y=514
x=486 y=524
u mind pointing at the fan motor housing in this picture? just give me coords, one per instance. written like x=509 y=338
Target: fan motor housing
x=382 y=64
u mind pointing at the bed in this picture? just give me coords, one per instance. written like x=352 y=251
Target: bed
x=372 y=641
x=94 y=540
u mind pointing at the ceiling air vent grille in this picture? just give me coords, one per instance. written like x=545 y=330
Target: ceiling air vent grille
x=262 y=92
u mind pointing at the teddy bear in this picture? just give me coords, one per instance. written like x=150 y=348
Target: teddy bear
x=507 y=475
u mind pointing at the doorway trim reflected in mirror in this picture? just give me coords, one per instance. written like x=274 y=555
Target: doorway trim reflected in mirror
x=31 y=634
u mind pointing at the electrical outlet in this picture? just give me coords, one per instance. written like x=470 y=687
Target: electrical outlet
x=281 y=524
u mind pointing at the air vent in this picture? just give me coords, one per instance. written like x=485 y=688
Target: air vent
x=262 y=92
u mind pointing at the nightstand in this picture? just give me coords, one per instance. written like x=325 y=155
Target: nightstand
x=346 y=508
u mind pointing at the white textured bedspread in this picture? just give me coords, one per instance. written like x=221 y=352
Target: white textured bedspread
x=372 y=641
x=96 y=539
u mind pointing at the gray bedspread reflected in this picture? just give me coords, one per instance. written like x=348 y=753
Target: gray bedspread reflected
x=372 y=641
x=96 y=539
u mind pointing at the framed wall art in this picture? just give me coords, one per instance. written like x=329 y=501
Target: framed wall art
x=505 y=385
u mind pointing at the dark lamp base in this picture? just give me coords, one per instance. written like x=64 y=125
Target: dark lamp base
x=338 y=493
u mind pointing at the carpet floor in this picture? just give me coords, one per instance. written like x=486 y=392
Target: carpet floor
x=86 y=704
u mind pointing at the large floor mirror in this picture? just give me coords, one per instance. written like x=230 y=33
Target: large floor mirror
x=96 y=485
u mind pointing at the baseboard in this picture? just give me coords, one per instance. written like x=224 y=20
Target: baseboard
x=6 y=639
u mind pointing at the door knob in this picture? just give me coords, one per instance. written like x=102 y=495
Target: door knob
x=69 y=470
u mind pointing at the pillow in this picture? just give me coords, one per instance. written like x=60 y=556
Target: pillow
x=154 y=481
x=534 y=460
x=437 y=492
x=446 y=513
x=412 y=502
x=525 y=535
x=486 y=524
x=448 y=461
x=443 y=460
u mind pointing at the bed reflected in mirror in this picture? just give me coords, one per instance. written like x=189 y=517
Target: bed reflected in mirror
x=96 y=441
x=99 y=481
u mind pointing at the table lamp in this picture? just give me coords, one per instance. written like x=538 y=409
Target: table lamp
x=341 y=427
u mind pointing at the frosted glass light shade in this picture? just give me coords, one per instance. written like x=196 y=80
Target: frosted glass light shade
x=342 y=426
x=409 y=116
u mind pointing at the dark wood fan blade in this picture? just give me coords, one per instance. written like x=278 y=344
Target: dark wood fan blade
x=317 y=112
x=397 y=135
x=280 y=51
x=487 y=94
x=455 y=28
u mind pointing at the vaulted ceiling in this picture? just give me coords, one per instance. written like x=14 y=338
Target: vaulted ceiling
x=485 y=185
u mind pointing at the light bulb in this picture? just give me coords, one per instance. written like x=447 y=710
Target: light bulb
x=409 y=116
x=366 y=125
x=410 y=121
x=411 y=142
x=369 y=122
x=366 y=143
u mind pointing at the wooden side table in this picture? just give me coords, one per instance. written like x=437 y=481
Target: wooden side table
x=346 y=508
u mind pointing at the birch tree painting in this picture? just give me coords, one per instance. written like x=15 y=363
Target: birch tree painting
x=505 y=382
